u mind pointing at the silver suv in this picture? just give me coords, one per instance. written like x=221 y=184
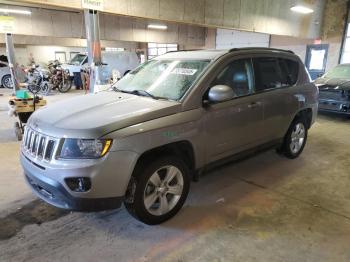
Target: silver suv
x=143 y=141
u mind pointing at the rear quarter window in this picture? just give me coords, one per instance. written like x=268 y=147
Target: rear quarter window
x=290 y=70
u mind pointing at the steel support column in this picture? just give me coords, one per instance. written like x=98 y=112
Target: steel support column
x=92 y=26
x=10 y=50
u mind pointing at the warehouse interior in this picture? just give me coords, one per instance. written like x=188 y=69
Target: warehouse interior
x=258 y=207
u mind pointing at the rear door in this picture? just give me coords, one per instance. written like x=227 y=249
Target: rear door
x=273 y=79
x=234 y=125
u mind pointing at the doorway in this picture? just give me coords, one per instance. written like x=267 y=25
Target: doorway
x=316 y=60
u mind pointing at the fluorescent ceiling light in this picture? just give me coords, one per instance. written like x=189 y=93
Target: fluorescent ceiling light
x=15 y=11
x=301 y=9
x=161 y=27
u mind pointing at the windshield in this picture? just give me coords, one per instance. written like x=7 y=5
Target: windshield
x=77 y=59
x=168 y=79
x=342 y=71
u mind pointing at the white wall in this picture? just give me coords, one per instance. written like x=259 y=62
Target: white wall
x=227 y=39
x=41 y=54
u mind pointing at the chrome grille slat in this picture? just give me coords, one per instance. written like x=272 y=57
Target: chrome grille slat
x=26 y=140
x=35 y=139
x=45 y=148
x=39 y=146
x=31 y=141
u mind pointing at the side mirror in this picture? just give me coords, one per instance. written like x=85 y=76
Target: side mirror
x=221 y=93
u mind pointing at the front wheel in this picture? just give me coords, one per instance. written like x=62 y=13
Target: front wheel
x=7 y=81
x=295 y=139
x=158 y=190
x=45 y=89
x=65 y=85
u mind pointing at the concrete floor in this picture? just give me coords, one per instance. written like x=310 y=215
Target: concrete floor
x=266 y=208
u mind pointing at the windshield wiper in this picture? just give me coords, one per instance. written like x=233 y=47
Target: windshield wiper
x=144 y=93
x=137 y=92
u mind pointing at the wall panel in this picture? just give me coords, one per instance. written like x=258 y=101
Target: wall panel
x=265 y=16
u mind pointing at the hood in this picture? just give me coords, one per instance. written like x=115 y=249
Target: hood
x=94 y=115
x=332 y=83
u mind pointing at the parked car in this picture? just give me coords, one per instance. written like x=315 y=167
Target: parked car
x=142 y=141
x=123 y=61
x=5 y=75
x=334 y=89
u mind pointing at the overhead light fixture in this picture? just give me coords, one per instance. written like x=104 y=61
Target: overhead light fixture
x=301 y=9
x=160 y=27
x=15 y=11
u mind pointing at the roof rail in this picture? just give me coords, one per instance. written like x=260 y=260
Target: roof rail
x=188 y=50
x=260 y=49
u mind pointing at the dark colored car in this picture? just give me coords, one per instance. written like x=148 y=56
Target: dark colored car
x=334 y=89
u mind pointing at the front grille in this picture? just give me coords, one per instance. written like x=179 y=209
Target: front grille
x=39 y=145
x=333 y=94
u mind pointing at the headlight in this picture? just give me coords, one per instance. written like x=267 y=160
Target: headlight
x=85 y=148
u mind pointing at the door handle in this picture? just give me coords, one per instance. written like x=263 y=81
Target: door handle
x=254 y=105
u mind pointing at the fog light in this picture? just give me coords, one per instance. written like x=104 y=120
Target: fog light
x=78 y=184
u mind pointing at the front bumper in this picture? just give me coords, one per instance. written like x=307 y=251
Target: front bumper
x=109 y=179
x=334 y=106
x=55 y=194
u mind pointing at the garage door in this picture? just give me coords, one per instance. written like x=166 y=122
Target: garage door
x=226 y=39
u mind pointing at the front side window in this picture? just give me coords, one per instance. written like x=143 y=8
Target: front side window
x=168 y=79
x=238 y=76
x=268 y=74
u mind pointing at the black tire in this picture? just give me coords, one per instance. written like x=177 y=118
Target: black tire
x=134 y=201
x=45 y=89
x=64 y=88
x=6 y=81
x=287 y=149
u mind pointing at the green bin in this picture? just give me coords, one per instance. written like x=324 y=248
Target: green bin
x=22 y=94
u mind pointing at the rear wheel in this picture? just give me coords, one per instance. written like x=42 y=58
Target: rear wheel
x=7 y=81
x=295 y=139
x=158 y=190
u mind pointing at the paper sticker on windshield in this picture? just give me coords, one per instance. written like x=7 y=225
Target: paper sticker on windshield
x=184 y=71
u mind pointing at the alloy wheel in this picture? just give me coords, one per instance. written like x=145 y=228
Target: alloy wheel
x=297 y=138
x=163 y=190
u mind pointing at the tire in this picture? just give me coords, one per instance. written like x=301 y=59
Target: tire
x=64 y=88
x=7 y=82
x=148 y=198
x=45 y=89
x=295 y=139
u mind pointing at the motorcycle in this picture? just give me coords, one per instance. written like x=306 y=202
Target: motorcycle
x=38 y=80
x=60 y=78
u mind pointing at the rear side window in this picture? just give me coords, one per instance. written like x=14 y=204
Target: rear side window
x=290 y=70
x=268 y=74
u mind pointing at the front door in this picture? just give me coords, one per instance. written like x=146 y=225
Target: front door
x=316 y=60
x=234 y=125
